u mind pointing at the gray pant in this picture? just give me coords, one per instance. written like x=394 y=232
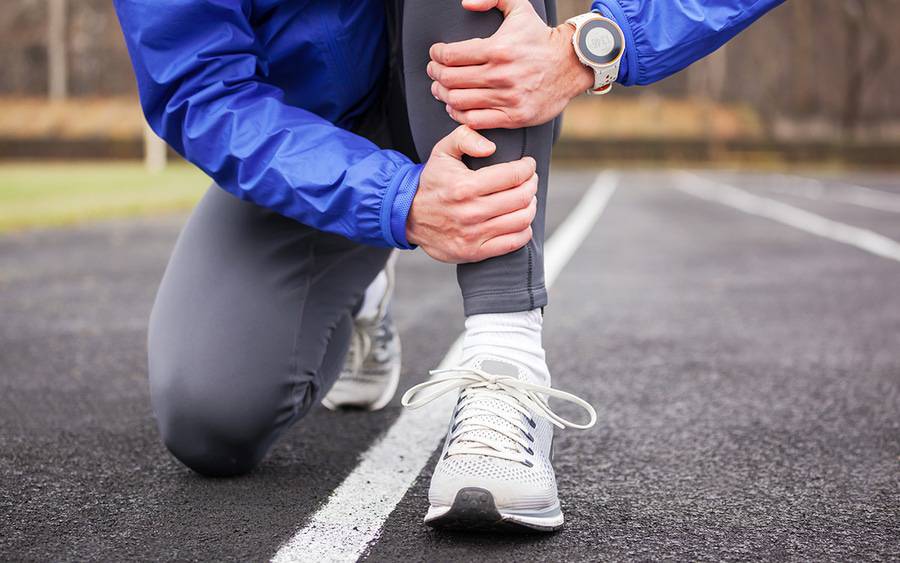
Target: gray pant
x=254 y=313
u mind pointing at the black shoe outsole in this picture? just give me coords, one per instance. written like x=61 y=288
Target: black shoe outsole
x=474 y=510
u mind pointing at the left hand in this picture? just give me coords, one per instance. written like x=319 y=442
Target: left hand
x=523 y=75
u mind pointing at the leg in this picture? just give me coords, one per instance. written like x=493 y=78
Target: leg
x=249 y=329
x=514 y=282
x=495 y=470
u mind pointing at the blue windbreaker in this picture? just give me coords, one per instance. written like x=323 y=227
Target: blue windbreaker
x=259 y=94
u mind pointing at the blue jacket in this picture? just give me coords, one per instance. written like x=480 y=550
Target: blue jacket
x=260 y=93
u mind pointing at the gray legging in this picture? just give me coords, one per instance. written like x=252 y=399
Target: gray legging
x=254 y=312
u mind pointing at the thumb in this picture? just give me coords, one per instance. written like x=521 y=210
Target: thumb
x=464 y=141
x=505 y=6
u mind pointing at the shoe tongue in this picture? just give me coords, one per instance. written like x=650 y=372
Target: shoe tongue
x=498 y=367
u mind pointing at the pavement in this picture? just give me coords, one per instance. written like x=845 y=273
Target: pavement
x=746 y=374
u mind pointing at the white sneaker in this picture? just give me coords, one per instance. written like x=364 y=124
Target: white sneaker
x=371 y=369
x=495 y=470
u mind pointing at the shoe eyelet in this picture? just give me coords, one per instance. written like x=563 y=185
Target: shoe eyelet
x=527 y=463
x=532 y=423
x=530 y=451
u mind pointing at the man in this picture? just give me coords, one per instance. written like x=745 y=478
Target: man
x=277 y=293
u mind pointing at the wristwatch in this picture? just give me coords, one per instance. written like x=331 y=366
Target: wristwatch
x=599 y=44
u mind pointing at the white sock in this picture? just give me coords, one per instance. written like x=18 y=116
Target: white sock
x=512 y=336
x=373 y=297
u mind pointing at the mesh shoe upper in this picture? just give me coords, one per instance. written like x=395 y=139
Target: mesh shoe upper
x=500 y=436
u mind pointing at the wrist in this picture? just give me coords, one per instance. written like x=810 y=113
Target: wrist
x=582 y=76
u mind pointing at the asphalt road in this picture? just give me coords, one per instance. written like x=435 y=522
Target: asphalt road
x=746 y=374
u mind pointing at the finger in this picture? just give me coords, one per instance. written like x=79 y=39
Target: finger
x=505 y=202
x=459 y=76
x=505 y=6
x=499 y=177
x=468 y=98
x=511 y=222
x=461 y=53
x=503 y=244
x=464 y=141
x=483 y=118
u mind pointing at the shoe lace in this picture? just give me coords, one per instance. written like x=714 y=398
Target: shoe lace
x=477 y=411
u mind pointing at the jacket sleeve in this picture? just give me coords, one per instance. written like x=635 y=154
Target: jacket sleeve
x=201 y=77
x=664 y=36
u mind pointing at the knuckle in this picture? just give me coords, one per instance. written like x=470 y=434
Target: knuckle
x=457 y=194
x=527 y=198
x=466 y=252
x=518 y=114
x=465 y=187
x=502 y=79
x=504 y=49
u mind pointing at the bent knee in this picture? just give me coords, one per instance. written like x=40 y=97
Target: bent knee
x=219 y=433
x=210 y=444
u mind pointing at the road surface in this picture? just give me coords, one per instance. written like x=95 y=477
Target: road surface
x=738 y=333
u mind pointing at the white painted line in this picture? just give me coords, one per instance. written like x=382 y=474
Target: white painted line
x=843 y=192
x=568 y=236
x=731 y=196
x=351 y=519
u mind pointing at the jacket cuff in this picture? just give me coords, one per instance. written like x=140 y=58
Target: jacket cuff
x=628 y=68
x=396 y=205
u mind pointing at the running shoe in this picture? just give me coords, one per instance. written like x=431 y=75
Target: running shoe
x=495 y=470
x=371 y=369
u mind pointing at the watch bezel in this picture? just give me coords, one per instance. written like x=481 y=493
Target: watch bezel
x=618 y=42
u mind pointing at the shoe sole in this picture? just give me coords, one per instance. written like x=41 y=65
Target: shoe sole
x=474 y=509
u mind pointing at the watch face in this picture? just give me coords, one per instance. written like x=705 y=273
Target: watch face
x=600 y=41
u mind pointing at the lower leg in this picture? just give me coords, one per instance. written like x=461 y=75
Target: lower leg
x=502 y=296
x=510 y=283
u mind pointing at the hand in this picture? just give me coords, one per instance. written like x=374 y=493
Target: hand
x=461 y=215
x=523 y=75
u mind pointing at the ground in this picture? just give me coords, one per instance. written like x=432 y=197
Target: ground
x=746 y=374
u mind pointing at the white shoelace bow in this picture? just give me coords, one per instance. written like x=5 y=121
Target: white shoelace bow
x=478 y=389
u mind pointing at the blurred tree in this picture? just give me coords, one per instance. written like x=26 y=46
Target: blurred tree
x=866 y=53
x=810 y=69
x=57 y=68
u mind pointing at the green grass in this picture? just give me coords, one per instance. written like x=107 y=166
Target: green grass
x=42 y=194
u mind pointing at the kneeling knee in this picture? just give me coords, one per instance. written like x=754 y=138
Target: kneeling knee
x=213 y=437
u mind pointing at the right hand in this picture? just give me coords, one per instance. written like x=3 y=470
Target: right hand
x=461 y=215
